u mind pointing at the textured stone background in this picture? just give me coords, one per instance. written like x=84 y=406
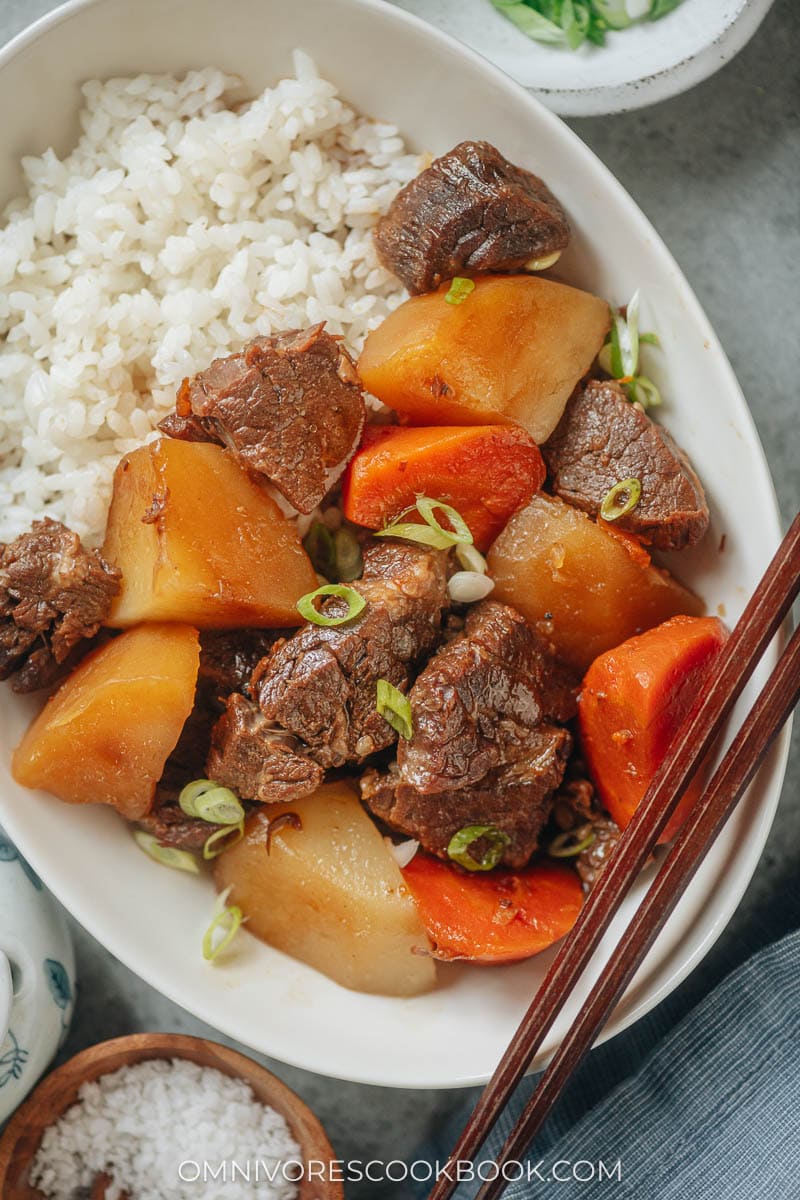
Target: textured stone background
x=718 y=172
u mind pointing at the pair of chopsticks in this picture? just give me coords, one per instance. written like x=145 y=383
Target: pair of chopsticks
x=738 y=658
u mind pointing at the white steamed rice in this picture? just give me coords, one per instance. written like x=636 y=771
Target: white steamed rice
x=177 y=229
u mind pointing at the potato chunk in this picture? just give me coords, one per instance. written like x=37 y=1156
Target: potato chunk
x=106 y=733
x=583 y=587
x=330 y=894
x=510 y=352
x=197 y=540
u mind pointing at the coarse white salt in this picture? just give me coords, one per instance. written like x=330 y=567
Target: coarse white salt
x=169 y=1130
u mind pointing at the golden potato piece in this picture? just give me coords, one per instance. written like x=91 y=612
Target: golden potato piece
x=198 y=541
x=106 y=733
x=330 y=894
x=511 y=352
x=583 y=587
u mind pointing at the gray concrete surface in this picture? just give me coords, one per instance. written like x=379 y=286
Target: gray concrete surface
x=718 y=172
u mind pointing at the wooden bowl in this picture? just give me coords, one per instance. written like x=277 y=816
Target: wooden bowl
x=59 y=1090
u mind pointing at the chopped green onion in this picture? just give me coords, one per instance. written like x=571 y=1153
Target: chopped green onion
x=569 y=23
x=395 y=708
x=642 y=390
x=542 y=264
x=619 y=357
x=628 y=491
x=222 y=839
x=309 y=611
x=571 y=843
x=167 y=856
x=228 y=921
x=471 y=559
x=460 y=845
x=319 y=546
x=208 y=801
x=349 y=563
x=431 y=533
x=460 y=533
x=532 y=23
x=459 y=289
x=613 y=12
x=191 y=794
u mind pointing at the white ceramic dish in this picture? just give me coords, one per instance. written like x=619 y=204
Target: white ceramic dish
x=152 y=918
x=638 y=66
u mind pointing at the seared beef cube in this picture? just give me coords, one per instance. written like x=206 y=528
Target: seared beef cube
x=228 y=659
x=483 y=749
x=603 y=439
x=515 y=797
x=170 y=825
x=320 y=685
x=470 y=211
x=289 y=406
x=54 y=596
x=256 y=760
x=499 y=677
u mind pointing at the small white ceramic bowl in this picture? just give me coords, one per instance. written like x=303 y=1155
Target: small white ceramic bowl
x=37 y=978
x=649 y=62
x=401 y=70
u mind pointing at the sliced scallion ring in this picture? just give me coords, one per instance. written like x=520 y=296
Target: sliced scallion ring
x=622 y=498
x=432 y=533
x=222 y=839
x=208 y=801
x=642 y=390
x=227 y=921
x=309 y=611
x=395 y=708
x=572 y=842
x=542 y=264
x=471 y=559
x=459 y=535
x=459 y=289
x=461 y=843
x=167 y=856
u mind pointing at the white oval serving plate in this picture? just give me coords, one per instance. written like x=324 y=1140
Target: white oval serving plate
x=395 y=67
x=649 y=62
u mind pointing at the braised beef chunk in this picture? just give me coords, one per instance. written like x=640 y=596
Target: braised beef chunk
x=169 y=824
x=228 y=659
x=256 y=760
x=485 y=749
x=289 y=406
x=577 y=812
x=515 y=797
x=478 y=692
x=320 y=685
x=603 y=439
x=54 y=595
x=470 y=211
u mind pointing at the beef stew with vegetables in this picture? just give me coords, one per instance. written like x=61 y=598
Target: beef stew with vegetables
x=382 y=638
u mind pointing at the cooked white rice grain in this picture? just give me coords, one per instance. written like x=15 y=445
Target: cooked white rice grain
x=173 y=232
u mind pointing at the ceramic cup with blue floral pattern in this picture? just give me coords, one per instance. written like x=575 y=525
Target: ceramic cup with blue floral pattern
x=37 y=978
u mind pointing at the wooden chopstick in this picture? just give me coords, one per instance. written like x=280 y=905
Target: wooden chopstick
x=747 y=751
x=738 y=658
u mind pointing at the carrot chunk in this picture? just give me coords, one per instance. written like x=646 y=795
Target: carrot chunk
x=502 y=916
x=632 y=701
x=486 y=472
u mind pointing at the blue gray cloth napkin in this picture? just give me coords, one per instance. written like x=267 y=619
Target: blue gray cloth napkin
x=708 y=1111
